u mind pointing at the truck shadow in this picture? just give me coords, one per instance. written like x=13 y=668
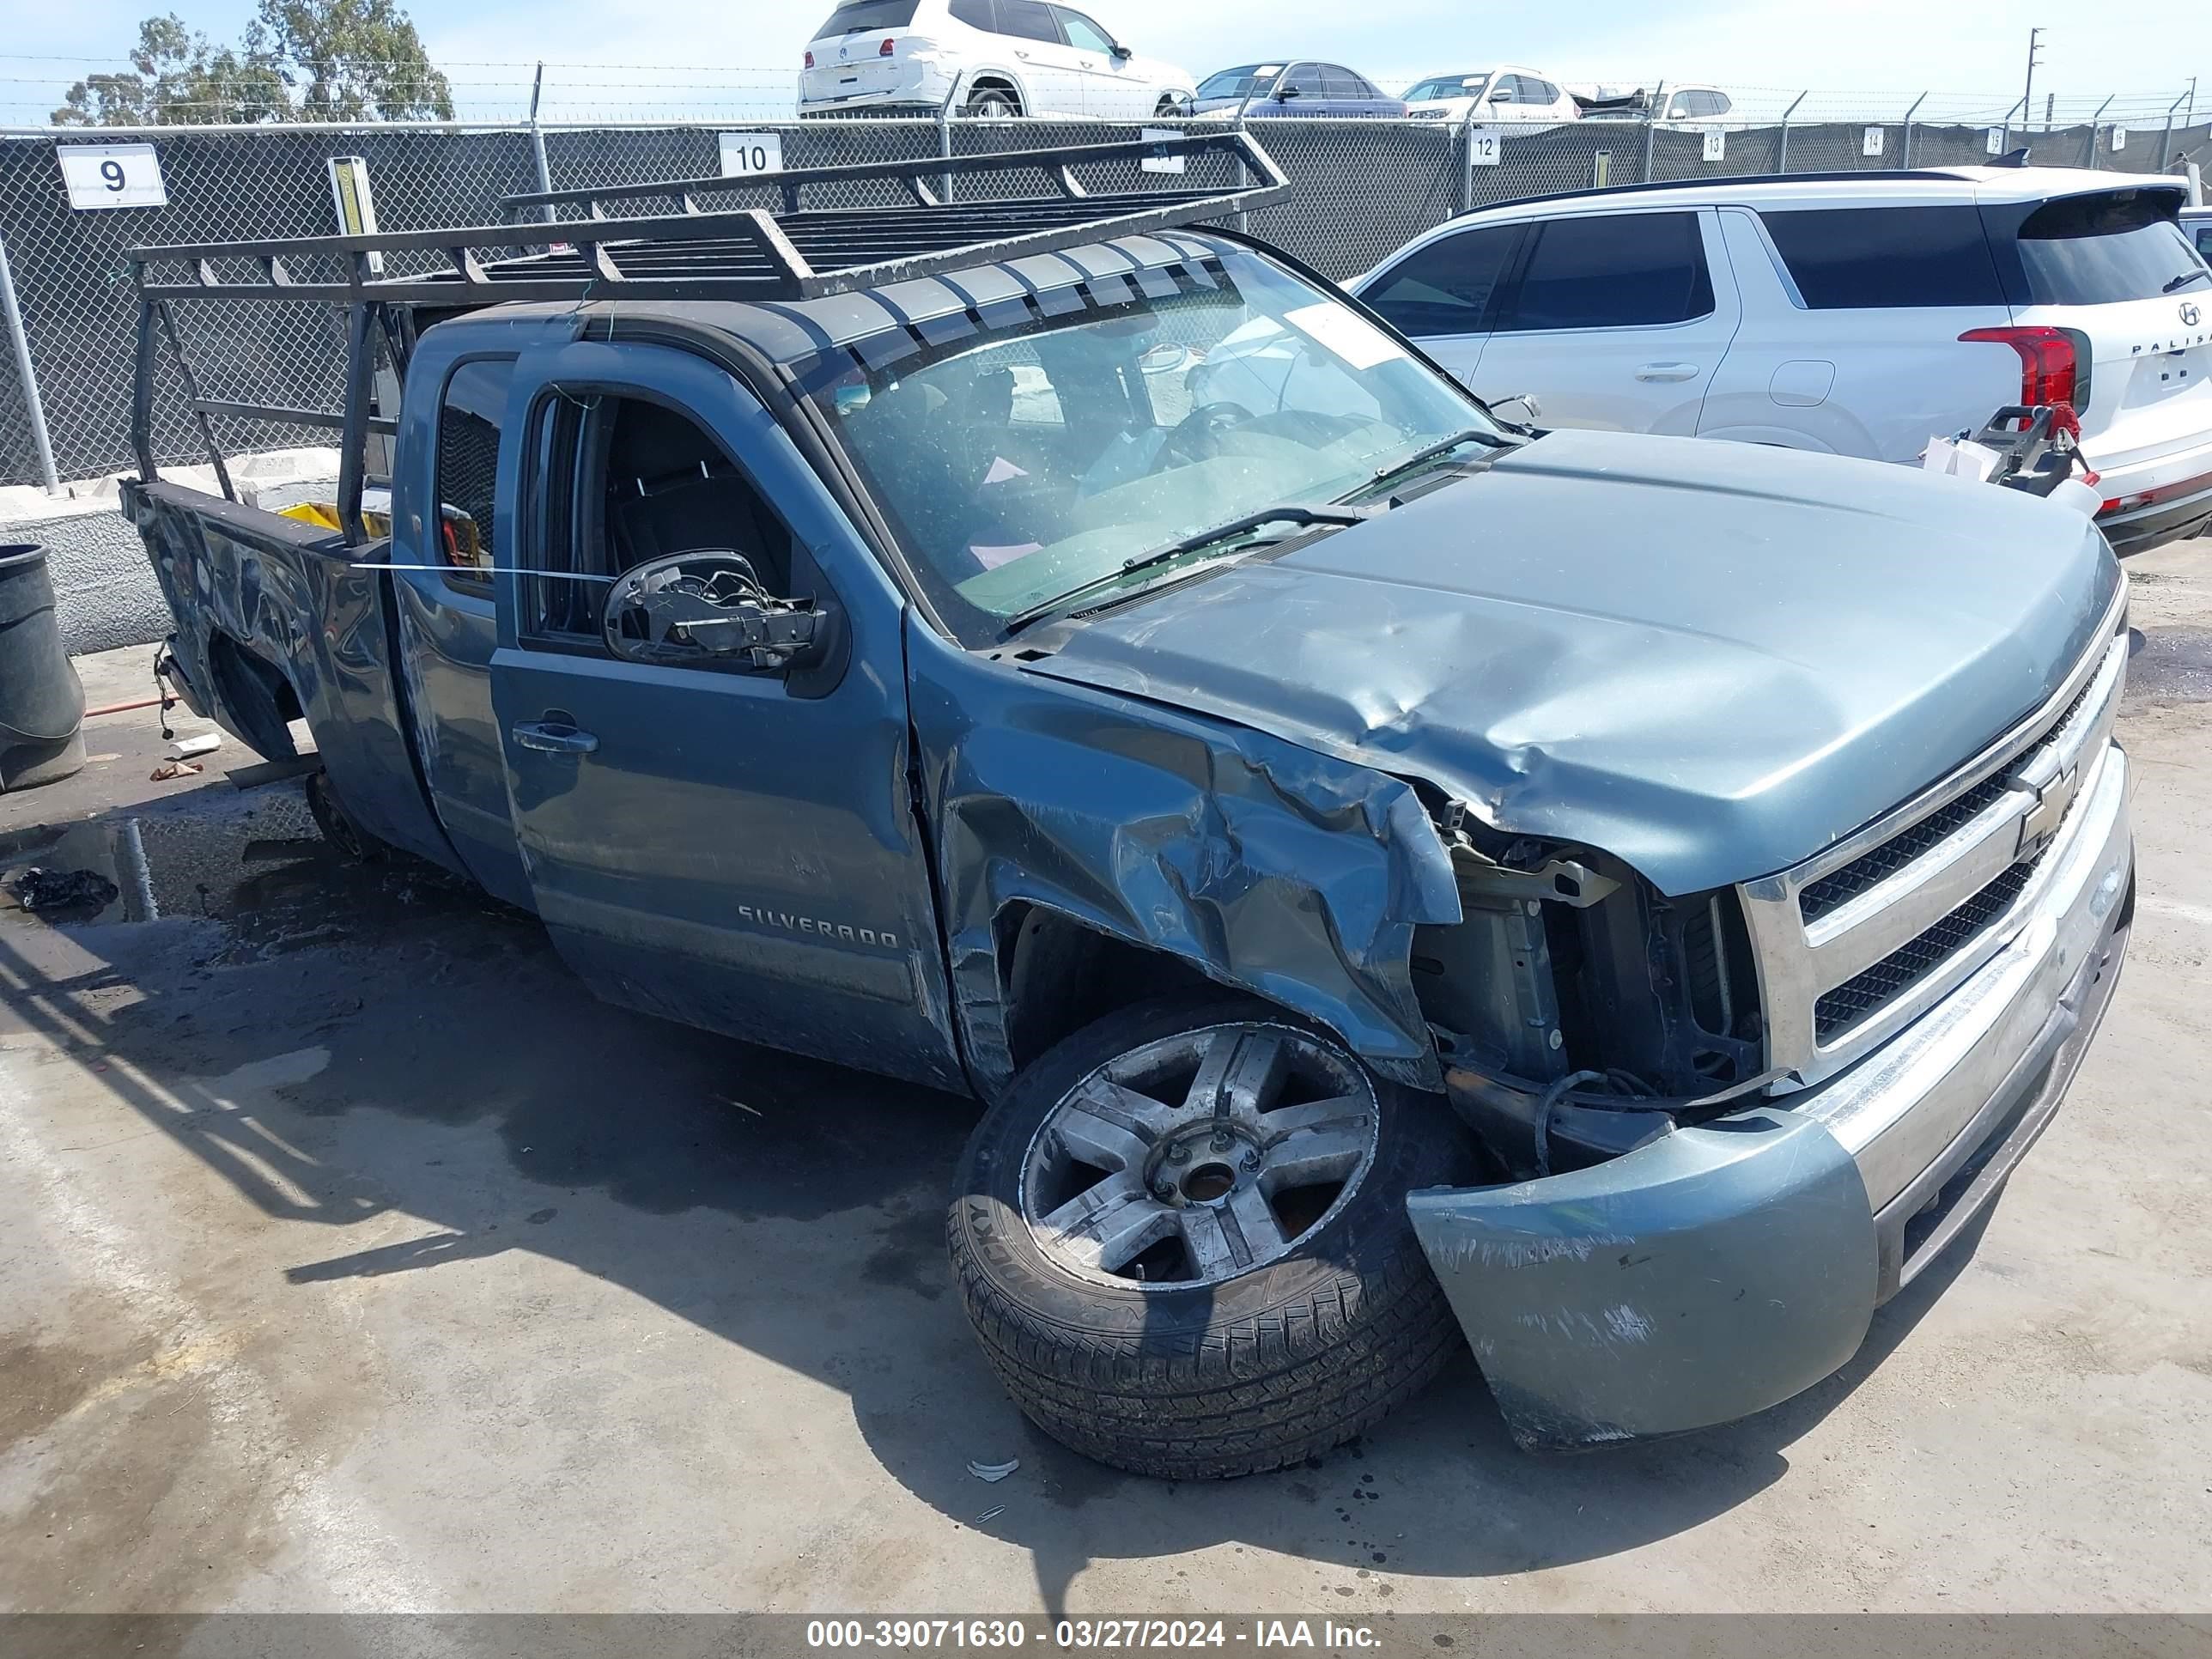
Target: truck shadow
x=340 y=1046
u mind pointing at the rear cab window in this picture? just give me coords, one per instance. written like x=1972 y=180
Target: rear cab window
x=469 y=418
x=1863 y=258
x=2107 y=248
x=1612 y=270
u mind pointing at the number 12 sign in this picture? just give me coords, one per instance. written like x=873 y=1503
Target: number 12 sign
x=112 y=176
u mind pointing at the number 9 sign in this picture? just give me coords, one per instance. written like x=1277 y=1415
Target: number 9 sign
x=111 y=176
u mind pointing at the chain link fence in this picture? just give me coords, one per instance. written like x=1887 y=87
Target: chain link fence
x=1360 y=189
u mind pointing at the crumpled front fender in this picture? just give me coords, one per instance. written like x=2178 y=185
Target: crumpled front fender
x=1262 y=864
x=1706 y=1275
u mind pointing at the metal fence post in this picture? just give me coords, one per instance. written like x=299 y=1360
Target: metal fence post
x=1651 y=124
x=546 y=210
x=945 y=130
x=25 y=374
x=1467 y=157
x=2089 y=146
x=1906 y=158
x=2165 y=138
x=1781 y=161
x=2004 y=130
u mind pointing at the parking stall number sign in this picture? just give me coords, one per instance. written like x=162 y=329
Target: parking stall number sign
x=111 y=176
x=1870 y=142
x=1483 y=146
x=1715 y=144
x=750 y=152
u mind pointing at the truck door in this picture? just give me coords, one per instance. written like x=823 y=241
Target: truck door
x=736 y=849
x=446 y=523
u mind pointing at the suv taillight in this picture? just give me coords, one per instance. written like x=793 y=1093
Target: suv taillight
x=809 y=60
x=889 y=47
x=2054 y=362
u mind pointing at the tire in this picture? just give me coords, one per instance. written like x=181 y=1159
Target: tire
x=993 y=103
x=338 y=829
x=1261 y=1367
x=1169 y=108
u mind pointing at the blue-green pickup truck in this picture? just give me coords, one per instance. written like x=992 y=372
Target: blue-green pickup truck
x=1389 y=872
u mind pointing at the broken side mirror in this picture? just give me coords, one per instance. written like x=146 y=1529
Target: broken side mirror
x=707 y=609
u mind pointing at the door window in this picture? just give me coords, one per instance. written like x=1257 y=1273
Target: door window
x=623 y=480
x=1083 y=34
x=469 y=419
x=1028 y=20
x=1613 y=271
x=977 y=14
x=1338 y=82
x=1305 y=80
x=1539 y=92
x=1446 y=287
x=1877 y=259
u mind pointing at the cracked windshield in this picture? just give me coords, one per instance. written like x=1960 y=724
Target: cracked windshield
x=1031 y=458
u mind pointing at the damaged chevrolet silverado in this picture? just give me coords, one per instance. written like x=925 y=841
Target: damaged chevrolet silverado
x=1388 y=872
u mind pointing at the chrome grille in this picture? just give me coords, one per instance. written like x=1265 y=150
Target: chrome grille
x=1870 y=869
x=1862 y=937
x=1839 y=1010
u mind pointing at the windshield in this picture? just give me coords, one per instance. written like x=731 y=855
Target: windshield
x=1447 y=86
x=2101 y=249
x=1067 y=437
x=1235 y=83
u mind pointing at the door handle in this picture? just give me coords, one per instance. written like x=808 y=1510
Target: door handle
x=553 y=737
x=1019 y=53
x=1668 y=372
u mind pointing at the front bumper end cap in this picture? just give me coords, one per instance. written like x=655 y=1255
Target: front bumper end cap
x=1697 y=1279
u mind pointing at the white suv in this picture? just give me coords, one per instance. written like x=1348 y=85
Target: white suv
x=1858 y=314
x=1007 y=57
x=1499 y=97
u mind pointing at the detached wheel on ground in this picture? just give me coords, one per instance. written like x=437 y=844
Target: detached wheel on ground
x=1182 y=1239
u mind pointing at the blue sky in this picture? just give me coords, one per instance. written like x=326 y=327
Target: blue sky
x=612 y=59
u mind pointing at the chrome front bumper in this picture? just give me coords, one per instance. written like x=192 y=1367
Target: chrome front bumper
x=1720 y=1269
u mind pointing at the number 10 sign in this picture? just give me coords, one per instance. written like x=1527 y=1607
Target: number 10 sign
x=112 y=175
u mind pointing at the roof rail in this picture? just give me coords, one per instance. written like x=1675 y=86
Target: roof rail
x=744 y=253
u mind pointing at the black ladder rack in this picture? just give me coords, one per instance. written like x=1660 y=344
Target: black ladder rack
x=797 y=252
x=744 y=253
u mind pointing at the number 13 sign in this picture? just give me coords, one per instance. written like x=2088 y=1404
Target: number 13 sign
x=112 y=175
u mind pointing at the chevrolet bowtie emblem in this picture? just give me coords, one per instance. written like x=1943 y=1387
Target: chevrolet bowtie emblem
x=2043 y=820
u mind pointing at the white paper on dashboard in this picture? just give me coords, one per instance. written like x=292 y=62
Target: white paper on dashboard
x=1346 y=333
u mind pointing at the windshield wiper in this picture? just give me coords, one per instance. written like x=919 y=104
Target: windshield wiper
x=1290 y=512
x=2185 y=279
x=1426 y=452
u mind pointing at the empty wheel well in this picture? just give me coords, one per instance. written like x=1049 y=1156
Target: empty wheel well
x=1059 y=975
x=253 y=693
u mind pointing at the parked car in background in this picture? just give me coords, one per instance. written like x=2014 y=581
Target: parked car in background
x=1495 y=97
x=1859 y=315
x=1290 y=87
x=1690 y=105
x=1008 y=57
x=2196 y=225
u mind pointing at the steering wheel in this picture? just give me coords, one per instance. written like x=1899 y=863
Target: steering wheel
x=1197 y=435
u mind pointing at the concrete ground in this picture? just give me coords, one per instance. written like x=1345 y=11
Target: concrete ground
x=352 y=1256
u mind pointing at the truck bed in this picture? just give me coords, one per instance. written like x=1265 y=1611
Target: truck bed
x=278 y=620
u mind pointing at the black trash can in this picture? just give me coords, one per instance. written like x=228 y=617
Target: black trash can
x=41 y=699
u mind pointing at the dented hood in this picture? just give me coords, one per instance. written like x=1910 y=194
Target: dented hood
x=1710 y=659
